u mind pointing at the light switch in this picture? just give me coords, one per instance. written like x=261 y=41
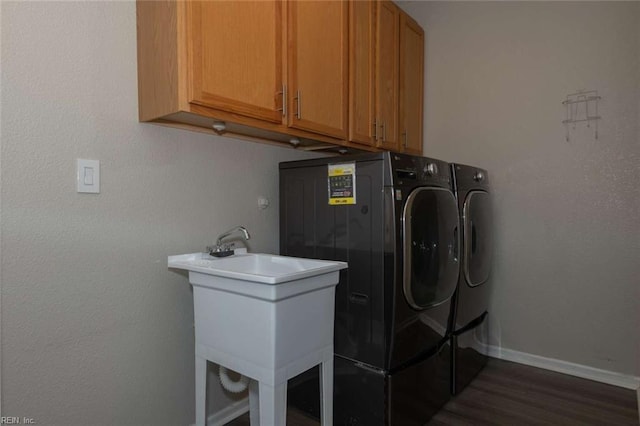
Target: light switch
x=88 y=176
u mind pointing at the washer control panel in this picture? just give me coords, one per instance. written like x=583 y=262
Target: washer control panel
x=408 y=169
x=471 y=177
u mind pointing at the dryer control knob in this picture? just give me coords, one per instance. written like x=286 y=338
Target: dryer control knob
x=478 y=176
x=431 y=169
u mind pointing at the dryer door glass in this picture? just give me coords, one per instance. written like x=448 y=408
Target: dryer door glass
x=430 y=232
x=478 y=241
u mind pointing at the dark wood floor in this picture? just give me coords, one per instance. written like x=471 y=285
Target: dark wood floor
x=505 y=393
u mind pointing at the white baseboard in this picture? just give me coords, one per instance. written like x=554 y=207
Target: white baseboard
x=228 y=413
x=578 y=370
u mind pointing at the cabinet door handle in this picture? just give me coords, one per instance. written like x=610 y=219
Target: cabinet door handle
x=404 y=139
x=375 y=128
x=298 y=99
x=384 y=131
x=283 y=92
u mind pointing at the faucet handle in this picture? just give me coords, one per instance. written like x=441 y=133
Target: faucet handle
x=221 y=250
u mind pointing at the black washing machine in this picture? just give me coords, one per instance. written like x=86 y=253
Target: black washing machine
x=469 y=338
x=394 y=219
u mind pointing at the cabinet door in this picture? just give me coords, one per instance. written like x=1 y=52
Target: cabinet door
x=235 y=56
x=317 y=64
x=387 y=75
x=361 y=72
x=411 y=84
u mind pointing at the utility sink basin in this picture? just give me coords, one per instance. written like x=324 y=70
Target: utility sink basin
x=263 y=276
x=255 y=267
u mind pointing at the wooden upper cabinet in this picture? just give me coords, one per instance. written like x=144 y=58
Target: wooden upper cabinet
x=333 y=74
x=387 y=57
x=385 y=77
x=317 y=66
x=362 y=49
x=234 y=51
x=411 y=84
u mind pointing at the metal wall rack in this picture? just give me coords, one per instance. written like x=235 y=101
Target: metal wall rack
x=582 y=107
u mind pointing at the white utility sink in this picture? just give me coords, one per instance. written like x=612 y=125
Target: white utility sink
x=263 y=276
x=255 y=267
x=267 y=317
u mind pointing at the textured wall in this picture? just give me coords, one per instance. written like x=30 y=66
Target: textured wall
x=566 y=271
x=95 y=328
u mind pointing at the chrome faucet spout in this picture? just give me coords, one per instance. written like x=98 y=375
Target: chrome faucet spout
x=241 y=229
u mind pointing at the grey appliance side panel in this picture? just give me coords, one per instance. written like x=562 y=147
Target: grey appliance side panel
x=292 y=214
x=360 y=395
x=310 y=227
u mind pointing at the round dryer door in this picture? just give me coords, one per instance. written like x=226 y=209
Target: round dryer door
x=430 y=253
x=478 y=241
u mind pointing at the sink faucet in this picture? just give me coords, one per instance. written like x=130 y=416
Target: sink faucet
x=222 y=250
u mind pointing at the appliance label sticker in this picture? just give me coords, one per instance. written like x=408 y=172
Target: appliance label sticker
x=342 y=184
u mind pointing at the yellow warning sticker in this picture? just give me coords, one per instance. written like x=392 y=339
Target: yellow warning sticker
x=342 y=184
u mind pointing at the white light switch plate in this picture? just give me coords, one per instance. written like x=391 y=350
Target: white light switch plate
x=88 y=176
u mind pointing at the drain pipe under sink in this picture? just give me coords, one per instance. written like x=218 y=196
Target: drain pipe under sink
x=232 y=386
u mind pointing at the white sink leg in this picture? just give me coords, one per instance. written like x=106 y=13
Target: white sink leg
x=273 y=404
x=326 y=392
x=254 y=403
x=201 y=391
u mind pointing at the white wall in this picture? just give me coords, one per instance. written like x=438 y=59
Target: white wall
x=95 y=328
x=566 y=276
